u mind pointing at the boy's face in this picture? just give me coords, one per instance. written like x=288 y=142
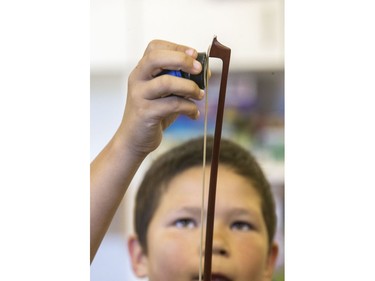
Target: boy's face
x=240 y=247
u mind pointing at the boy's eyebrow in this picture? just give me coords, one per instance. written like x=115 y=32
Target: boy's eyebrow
x=242 y=211
x=232 y=211
x=255 y=215
x=239 y=211
x=190 y=210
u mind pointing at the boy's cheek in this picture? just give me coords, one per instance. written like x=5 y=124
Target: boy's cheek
x=173 y=257
x=253 y=260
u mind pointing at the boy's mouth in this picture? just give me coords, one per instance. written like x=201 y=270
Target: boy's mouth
x=219 y=277
x=215 y=277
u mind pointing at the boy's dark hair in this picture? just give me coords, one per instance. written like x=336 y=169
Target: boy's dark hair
x=190 y=154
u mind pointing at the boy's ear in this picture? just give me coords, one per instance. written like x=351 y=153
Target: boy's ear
x=271 y=262
x=137 y=257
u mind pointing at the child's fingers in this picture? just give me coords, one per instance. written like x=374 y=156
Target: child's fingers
x=166 y=45
x=155 y=61
x=172 y=105
x=166 y=85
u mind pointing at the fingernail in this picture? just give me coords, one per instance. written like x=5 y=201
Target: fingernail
x=197 y=65
x=197 y=115
x=190 y=52
x=201 y=95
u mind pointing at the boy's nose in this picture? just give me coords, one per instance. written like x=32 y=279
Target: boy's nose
x=219 y=246
x=220 y=251
x=220 y=243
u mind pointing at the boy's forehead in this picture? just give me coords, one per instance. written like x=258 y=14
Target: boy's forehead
x=187 y=187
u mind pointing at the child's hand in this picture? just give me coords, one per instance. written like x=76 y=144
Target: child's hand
x=154 y=102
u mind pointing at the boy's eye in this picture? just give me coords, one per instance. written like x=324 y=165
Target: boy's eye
x=185 y=223
x=242 y=226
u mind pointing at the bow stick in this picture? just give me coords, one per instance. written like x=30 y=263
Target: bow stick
x=217 y=50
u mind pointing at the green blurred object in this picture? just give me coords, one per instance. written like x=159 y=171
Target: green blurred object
x=279 y=274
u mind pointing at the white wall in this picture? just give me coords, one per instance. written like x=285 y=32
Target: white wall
x=121 y=29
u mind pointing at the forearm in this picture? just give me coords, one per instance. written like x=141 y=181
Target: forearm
x=110 y=175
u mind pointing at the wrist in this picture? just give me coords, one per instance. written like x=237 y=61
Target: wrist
x=127 y=149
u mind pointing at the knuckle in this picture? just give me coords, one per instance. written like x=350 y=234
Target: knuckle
x=153 y=44
x=151 y=58
x=164 y=83
x=175 y=104
x=148 y=57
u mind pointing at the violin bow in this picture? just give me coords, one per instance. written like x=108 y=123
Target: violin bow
x=216 y=50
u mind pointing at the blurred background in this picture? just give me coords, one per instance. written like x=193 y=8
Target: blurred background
x=254 y=113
